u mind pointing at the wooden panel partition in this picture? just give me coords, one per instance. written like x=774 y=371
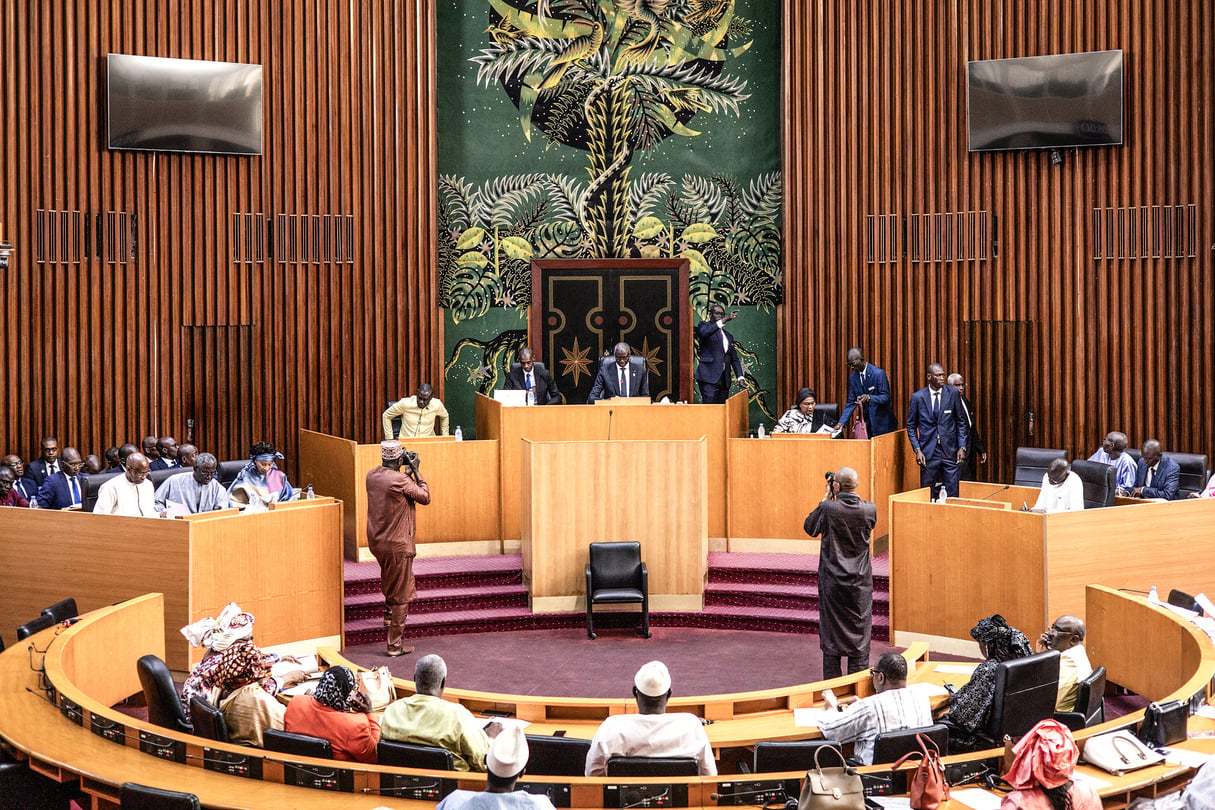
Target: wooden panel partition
x=246 y=344
x=875 y=126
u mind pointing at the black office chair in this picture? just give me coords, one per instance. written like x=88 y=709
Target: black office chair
x=1135 y=453
x=227 y=471
x=92 y=483
x=208 y=720
x=164 y=706
x=891 y=745
x=1026 y=691
x=1178 y=598
x=830 y=412
x=1032 y=463
x=1090 y=703
x=140 y=797
x=775 y=756
x=1193 y=472
x=416 y=755
x=300 y=745
x=652 y=766
x=616 y=575
x=62 y=610
x=1100 y=482
x=34 y=626
x=1 y=643
x=556 y=756
x=157 y=477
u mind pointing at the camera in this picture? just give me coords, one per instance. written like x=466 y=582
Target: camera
x=411 y=457
x=829 y=475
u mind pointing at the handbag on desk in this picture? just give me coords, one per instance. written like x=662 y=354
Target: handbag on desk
x=1165 y=723
x=927 y=786
x=1119 y=752
x=375 y=685
x=837 y=788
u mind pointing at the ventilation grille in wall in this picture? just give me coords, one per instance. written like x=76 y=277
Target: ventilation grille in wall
x=943 y=237
x=1145 y=232
x=293 y=238
x=117 y=233
x=61 y=237
x=248 y=238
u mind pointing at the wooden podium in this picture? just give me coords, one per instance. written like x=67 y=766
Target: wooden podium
x=590 y=491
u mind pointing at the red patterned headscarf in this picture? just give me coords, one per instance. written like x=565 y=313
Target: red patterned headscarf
x=1045 y=756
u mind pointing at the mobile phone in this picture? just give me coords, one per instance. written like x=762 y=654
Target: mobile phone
x=950 y=688
x=832 y=703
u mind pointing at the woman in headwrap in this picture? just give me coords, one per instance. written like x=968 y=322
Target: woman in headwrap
x=801 y=418
x=335 y=711
x=970 y=706
x=1041 y=772
x=262 y=477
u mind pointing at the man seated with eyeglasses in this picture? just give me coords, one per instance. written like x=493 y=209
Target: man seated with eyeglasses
x=198 y=491
x=1067 y=636
x=893 y=708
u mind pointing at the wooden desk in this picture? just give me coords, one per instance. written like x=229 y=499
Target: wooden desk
x=283 y=566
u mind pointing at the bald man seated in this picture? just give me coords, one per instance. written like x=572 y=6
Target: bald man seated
x=1066 y=635
x=1062 y=490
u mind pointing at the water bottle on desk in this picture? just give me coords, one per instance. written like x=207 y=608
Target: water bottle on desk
x=459 y=434
x=309 y=495
x=1153 y=595
x=761 y=433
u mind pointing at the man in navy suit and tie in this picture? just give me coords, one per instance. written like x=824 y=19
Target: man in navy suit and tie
x=24 y=486
x=47 y=465
x=716 y=357
x=869 y=389
x=936 y=429
x=534 y=379
x=1157 y=475
x=66 y=487
x=627 y=377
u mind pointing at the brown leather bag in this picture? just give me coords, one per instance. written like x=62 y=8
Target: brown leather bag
x=926 y=784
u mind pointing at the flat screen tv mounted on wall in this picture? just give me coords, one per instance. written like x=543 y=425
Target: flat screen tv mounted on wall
x=1045 y=102
x=183 y=105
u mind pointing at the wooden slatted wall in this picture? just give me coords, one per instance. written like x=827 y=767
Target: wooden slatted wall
x=200 y=325
x=875 y=128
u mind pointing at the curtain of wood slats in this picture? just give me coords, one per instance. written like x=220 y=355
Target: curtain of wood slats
x=99 y=353
x=875 y=125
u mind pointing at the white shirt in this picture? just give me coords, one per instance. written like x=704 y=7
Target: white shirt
x=650 y=735
x=483 y=800
x=1073 y=668
x=118 y=496
x=892 y=710
x=1066 y=497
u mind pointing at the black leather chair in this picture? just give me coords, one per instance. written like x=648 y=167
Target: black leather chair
x=652 y=766
x=62 y=610
x=164 y=706
x=1100 y=482
x=1194 y=472
x=1026 y=691
x=34 y=626
x=1178 y=598
x=891 y=745
x=556 y=756
x=1135 y=453
x=92 y=483
x=140 y=797
x=300 y=745
x=616 y=575
x=1090 y=703
x=227 y=471
x=775 y=756
x=1032 y=463
x=830 y=412
x=1 y=643
x=415 y=755
x=208 y=720
x=157 y=477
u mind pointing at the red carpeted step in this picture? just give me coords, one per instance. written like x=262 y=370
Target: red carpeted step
x=371 y=605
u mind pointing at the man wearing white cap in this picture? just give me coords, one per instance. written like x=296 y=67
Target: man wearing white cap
x=651 y=732
x=507 y=759
x=391 y=523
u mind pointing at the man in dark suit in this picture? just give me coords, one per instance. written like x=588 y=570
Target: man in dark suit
x=976 y=453
x=716 y=356
x=66 y=487
x=41 y=468
x=1157 y=475
x=869 y=388
x=626 y=377
x=937 y=431
x=166 y=446
x=24 y=485
x=534 y=379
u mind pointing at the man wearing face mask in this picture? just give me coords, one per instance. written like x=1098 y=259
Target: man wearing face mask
x=421 y=415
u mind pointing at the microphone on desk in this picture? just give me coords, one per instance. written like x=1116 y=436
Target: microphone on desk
x=609 y=436
x=997 y=492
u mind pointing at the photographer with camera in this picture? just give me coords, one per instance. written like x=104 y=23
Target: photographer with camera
x=845 y=577
x=391 y=524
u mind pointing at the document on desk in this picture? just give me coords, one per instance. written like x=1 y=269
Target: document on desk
x=1093 y=782
x=929 y=690
x=954 y=669
x=1190 y=759
x=810 y=716
x=977 y=798
x=890 y=802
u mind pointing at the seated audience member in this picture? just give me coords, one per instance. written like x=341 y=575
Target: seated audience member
x=47 y=464
x=1067 y=636
x=1157 y=475
x=65 y=488
x=801 y=418
x=9 y=496
x=537 y=382
x=166 y=449
x=235 y=675
x=196 y=492
x=24 y=485
x=970 y=706
x=1113 y=452
x=507 y=759
x=651 y=732
x=426 y=719
x=124 y=451
x=186 y=454
x=112 y=462
x=130 y=494
x=92 y=465
x=893 y=708
x=1062 y=490
x=261 y=478
x=1041 y=772
x=337 y=712
x=423 y=414
x=149 y=448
